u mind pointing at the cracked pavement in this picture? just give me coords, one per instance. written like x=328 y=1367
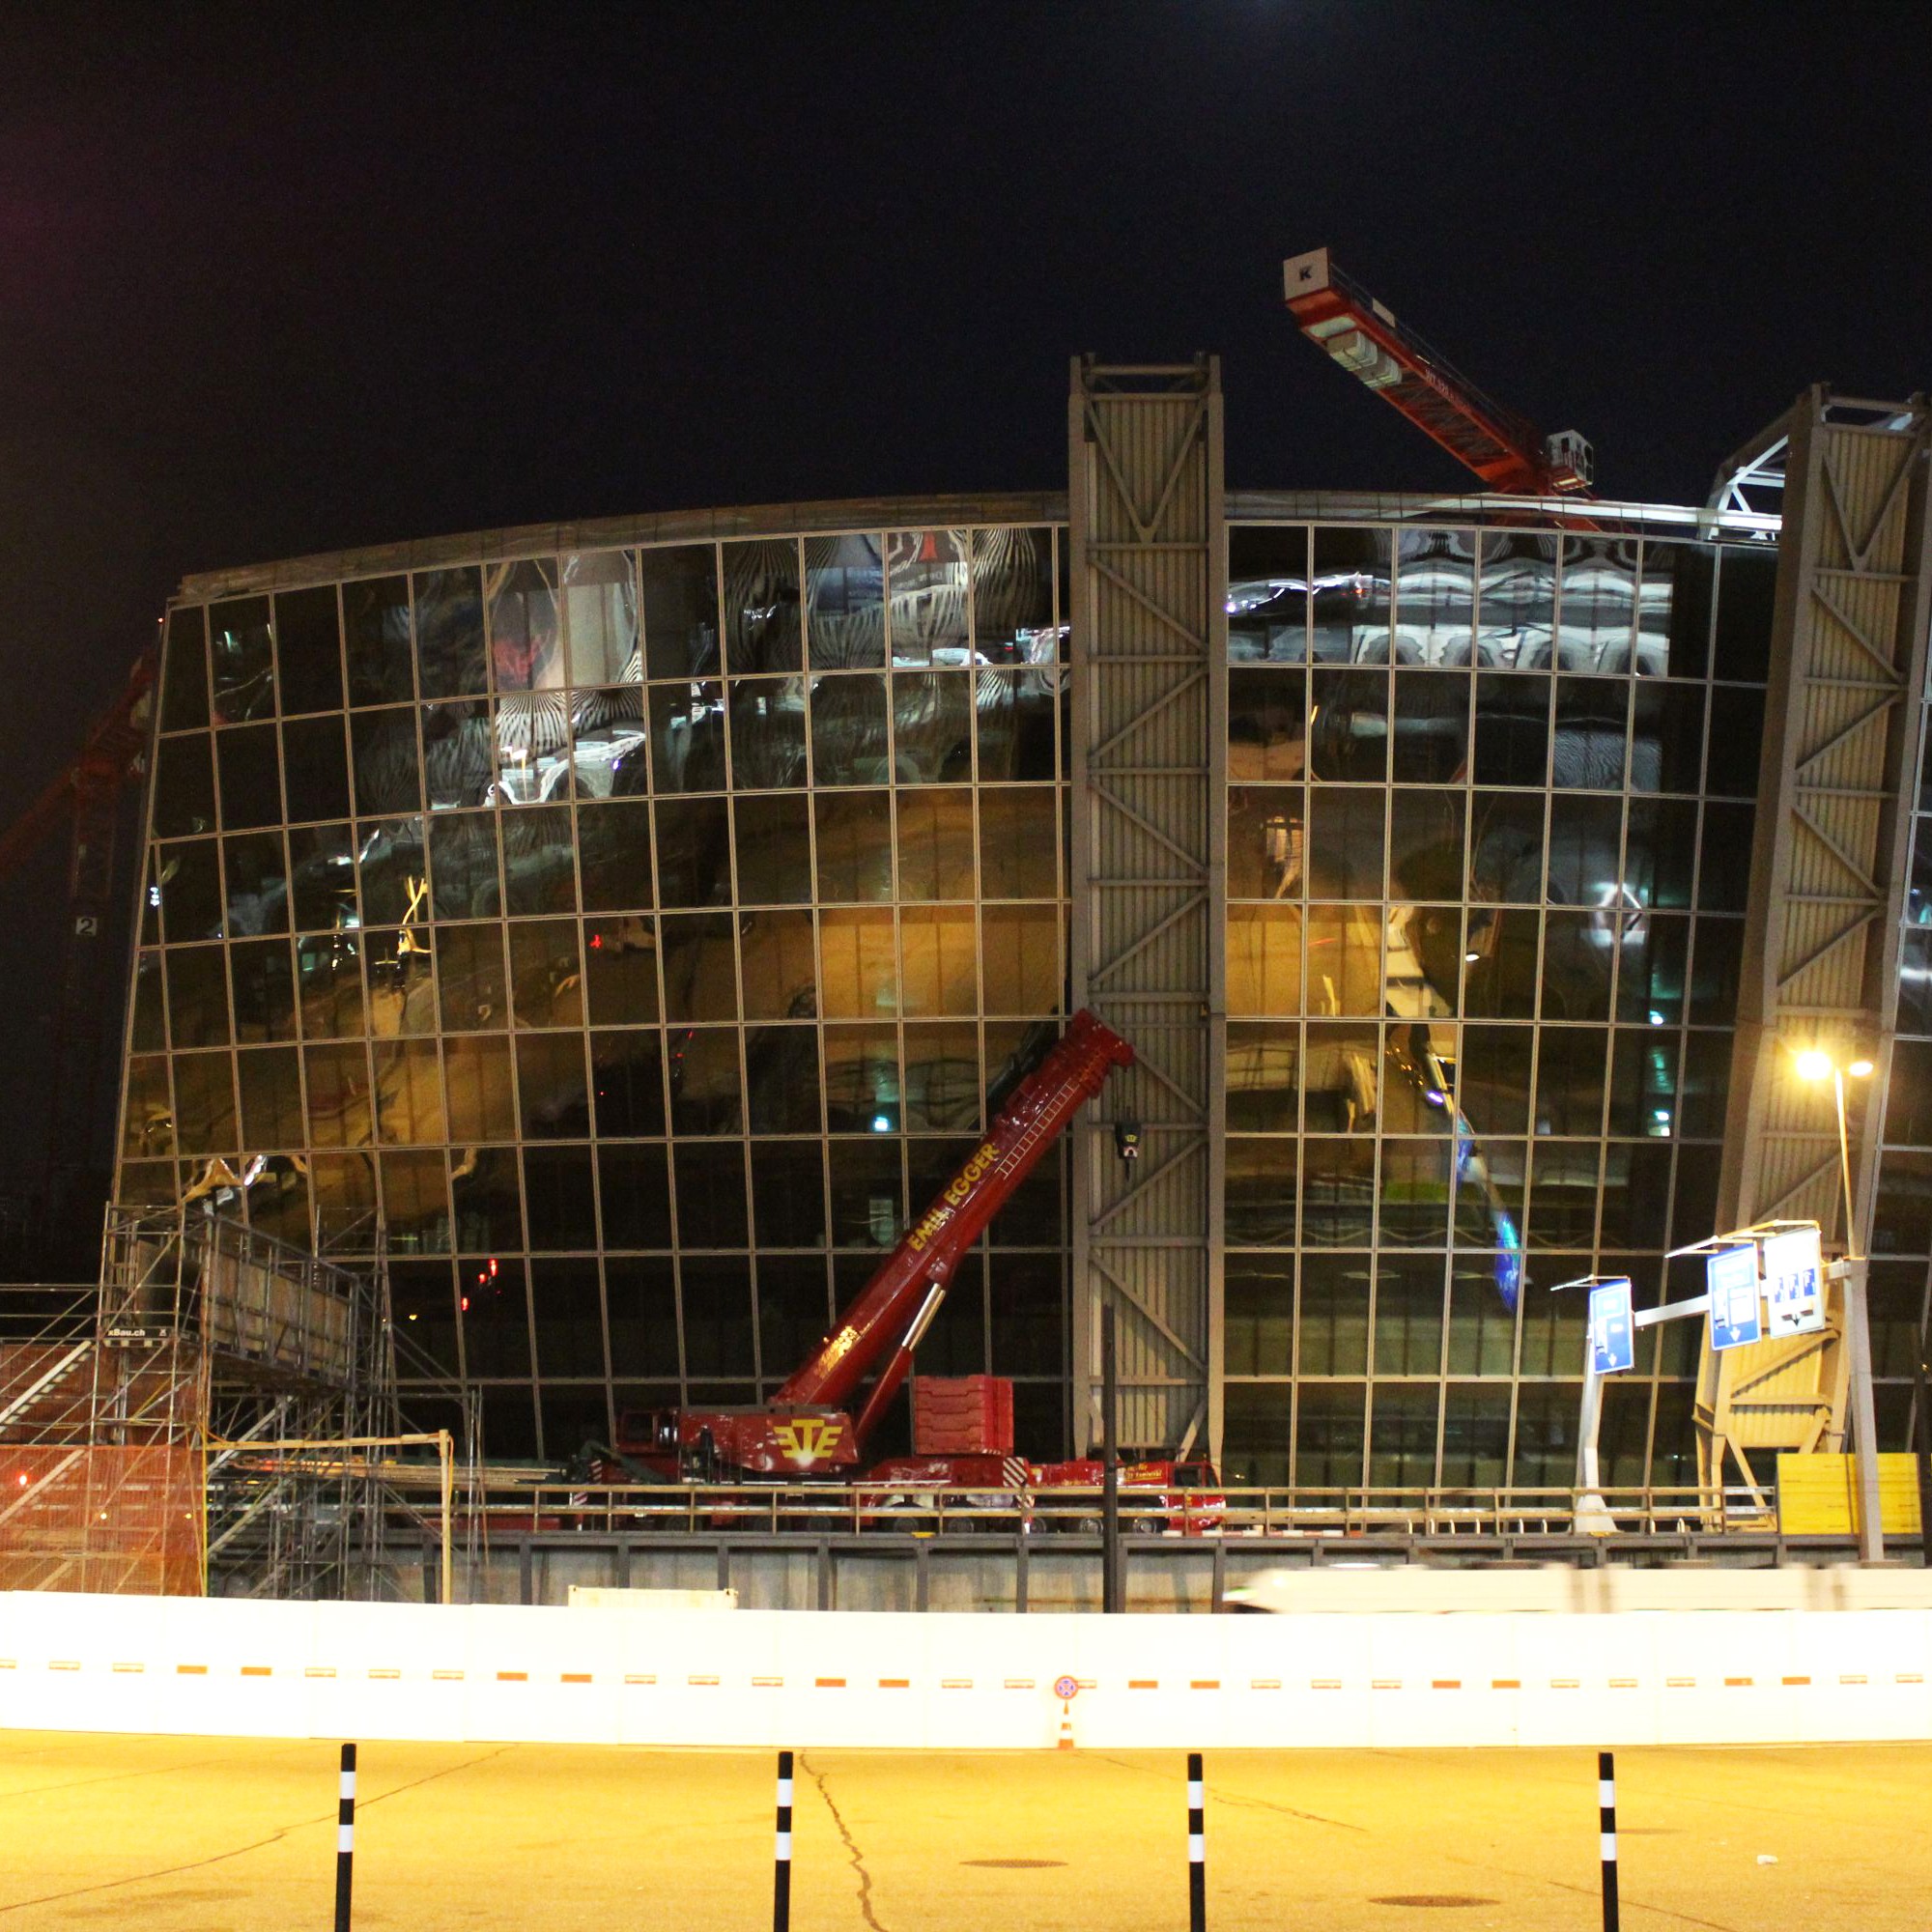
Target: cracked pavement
x=229 y=1836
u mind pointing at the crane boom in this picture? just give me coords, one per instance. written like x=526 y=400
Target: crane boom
x=931 y=1248
x=804 y=1429
x=1502 y=446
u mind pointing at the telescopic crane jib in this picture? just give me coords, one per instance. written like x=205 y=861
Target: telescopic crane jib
x=806 y=1429
x=1505 y=449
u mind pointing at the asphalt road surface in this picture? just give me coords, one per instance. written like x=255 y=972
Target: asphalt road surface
x=222 y=1835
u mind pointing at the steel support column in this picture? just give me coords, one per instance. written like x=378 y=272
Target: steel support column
x=1828 y=865
x=1149 y=647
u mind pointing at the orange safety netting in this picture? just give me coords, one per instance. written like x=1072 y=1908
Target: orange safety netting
x=117 y=1520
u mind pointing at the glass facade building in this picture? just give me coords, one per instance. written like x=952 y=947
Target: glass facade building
x=621 y=931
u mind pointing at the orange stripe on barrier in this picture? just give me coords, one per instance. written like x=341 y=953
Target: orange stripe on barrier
x=1797 y=1680
x=447 y=1676
x=1087 y=1683
x=7 y=1663
x=1019 y=1682
x=1505 y=1683
x=1623 y=1683
x=1203 y=1684
x=1324 y=1683
x=513 y=1677
x=191 y=1670
x=258 y=1670
x=635 y=1677
x=1263 y=1682
x=710 y=1683
x=130 y=1669
x=768 y=1683
x=1385 y=1684
x=955 y=1684
x=318 y=1670
x=828 y=1683
x=1566 y=1683
x=63 y=1663
x=578 y=1677
x=895 y=1683
x=1143 y=1683
x=1680 y=1683
x=1851 y=1680
x=1910 y=1677
x=1445 y=1683
x=1737 y=1682
x=385 y=1674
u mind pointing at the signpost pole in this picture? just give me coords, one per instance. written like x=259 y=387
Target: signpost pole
x=1110 y=1465
x=1857 y=1344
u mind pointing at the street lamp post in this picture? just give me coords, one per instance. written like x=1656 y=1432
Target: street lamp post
x=1816 y=1064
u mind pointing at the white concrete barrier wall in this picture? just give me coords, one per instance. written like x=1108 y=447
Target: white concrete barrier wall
x=961 y=1681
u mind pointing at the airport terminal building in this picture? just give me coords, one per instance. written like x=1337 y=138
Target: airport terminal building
x=617 y=930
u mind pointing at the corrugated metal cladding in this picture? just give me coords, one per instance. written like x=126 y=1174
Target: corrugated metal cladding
x=1848 y=661
x=1150 y=732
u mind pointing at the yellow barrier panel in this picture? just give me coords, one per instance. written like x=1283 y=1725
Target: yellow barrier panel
x=1818 y=1494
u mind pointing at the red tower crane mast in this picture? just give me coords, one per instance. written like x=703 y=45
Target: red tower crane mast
x=1504 y=448
x=806 y=1429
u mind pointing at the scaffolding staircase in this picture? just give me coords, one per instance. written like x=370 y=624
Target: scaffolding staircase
x=218 y=1416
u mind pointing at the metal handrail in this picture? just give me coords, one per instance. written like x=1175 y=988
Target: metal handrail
x=1337 y=1512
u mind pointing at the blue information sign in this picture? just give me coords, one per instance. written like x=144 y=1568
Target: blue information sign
x=1612 y=1332
x=1792 y=1266
x=1731 y=1274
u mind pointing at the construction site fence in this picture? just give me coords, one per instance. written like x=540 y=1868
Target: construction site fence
x=106 y=1519
x=771 y=1508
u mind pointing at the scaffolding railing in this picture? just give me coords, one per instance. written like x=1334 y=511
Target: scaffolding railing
x=521 y=1505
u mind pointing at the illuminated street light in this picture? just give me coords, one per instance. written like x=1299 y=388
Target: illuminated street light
x=1815 y=1064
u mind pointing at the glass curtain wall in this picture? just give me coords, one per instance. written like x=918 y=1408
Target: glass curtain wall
x=622 y=939
x=1490 y=797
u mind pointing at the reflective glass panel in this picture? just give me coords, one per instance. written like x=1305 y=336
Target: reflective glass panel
x=600 y=609
x=241 y=660
x=375 y=628
x=184 y=672
x=762 y=626
x=927 y=600
x=680 y=590
x=449 y=632
x=308 y=642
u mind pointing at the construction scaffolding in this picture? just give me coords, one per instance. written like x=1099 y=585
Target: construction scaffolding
x=219 y=1417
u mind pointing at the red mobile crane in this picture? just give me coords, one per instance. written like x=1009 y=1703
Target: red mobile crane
x=807 y=1429
x=1339 y=317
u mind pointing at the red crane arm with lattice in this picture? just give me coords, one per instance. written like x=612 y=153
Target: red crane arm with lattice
x=1503 y=447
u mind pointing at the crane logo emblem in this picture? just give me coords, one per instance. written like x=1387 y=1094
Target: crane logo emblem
x=808 y=1438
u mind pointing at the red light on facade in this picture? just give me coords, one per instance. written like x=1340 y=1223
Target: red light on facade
x=465 y=1303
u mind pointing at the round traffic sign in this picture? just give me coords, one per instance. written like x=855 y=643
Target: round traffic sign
x=1065 y=1688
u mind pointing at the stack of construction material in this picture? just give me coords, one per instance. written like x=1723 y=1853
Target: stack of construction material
x=962 y=1416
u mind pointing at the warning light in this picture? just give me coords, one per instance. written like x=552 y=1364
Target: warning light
x=493 y=1267
x=21 y=1479
x=465 y=1304
x=597 y=942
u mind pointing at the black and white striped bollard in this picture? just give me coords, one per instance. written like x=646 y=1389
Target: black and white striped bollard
x=1607 y=1824
x=782 y=1869
x=345 y=1837
x=1197 y=1846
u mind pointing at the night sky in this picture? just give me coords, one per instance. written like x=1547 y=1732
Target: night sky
x=278 y=280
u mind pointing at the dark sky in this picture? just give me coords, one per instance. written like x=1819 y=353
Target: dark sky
x=281 y=279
